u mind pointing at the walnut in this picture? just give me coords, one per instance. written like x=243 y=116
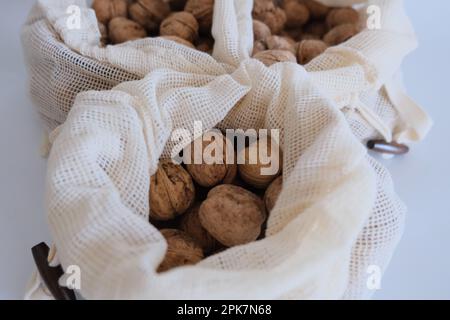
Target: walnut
x=180 y=24
x=260 y=30
x=106 y=10
x=207 y=171
x=258 y=46
x=309 y=49
x=179 y=40
x=340 y=16
x=272 y=193
x=274 y=17
x=280 y=43
x=270 y=57
x=190 y=223
x=340 y=34
x=123 y=29
x=297 y=14
x=316 y=9
x=182 y=250
x=202 y=10
x=253 y=171
x=232 y=215
x=172 y=191
x=149 y=13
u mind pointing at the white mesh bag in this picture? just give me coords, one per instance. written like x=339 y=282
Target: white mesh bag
x=337 y=214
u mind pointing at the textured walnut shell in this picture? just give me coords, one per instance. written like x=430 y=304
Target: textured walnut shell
x=106 y=10
x=260 y=30
x=316 y=28
x=280 y=43
x=297 y=14
x=316 y=9
x=253 y=173
x=123 y=29
x=149 y=13
x=272 y=193
x=202 y=10
x=180 y=24
x=340 y=34
x=340 y=16
x=182 y=250
x=270 y=57
x=210 y=175
x=274 y=17
x=179 y=40
x=309 y=49
x=232 y=215
x=190 y=223
x=172 y=191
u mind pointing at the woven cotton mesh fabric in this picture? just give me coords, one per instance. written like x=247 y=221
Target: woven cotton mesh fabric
x=338 y=213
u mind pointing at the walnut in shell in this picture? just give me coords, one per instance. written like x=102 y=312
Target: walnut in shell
x=182 y=250
x=202 y=10
x=149 y=13
x=208 y=163
x=180 y=24
x=340 y=16
x=340 y=34
x=232 y=215
x=297 y=14
x=270 y=57
x=172 y=191
x=263 y=163
x=106 y=10
x=309 y=49
x=123 y=29
x=190 y=223
x=260 y=30
x=272 y=193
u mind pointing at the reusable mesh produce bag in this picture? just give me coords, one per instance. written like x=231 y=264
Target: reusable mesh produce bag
x=337 y=214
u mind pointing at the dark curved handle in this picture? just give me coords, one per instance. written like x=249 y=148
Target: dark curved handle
x=50 y=275
x=382 y=146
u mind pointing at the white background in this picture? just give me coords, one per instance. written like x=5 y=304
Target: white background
x=420 y=268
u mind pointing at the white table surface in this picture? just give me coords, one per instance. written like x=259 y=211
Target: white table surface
x=420 y=268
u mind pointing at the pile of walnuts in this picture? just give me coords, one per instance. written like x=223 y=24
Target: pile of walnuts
x=284 y=30
x=202 y=209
